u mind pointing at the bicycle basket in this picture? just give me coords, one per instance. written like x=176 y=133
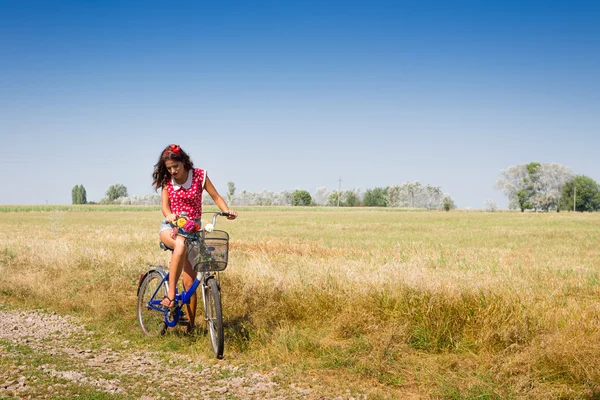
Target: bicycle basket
x=209 y=252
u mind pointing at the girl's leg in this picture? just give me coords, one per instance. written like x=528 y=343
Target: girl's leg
x=176 y=264
x=189 y=276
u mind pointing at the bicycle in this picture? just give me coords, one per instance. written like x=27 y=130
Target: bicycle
x=208 y=251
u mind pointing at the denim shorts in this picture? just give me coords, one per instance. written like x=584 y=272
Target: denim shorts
x=165 y=225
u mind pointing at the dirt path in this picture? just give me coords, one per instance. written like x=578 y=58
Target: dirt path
x=50 y=356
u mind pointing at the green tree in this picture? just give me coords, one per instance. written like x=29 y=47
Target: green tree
x=350 y=198
x=230 y=192
x=116 y=191
x=532 y=184
x=522 y=199
x=519 y=184
x=333 y=200
x=83 y=195
x=448 y=203
x=78 y=195
x=584 y=191
x=75 y=195
x=375 y=197
x=301 y=198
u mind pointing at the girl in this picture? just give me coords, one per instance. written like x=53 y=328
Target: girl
x=181 y=191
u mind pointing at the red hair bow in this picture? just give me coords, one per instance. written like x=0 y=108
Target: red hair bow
x=173 y=148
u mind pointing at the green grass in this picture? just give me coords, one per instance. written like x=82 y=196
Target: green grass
x=406 y=303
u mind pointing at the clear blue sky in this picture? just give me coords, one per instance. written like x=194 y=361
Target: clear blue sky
x=284 y=95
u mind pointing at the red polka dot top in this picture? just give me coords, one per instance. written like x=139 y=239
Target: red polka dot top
x=187 y=197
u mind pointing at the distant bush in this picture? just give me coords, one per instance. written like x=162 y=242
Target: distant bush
x=348 y=198
x=490 y=206
x=301 y=198
x=448 y=203
x=375 y=197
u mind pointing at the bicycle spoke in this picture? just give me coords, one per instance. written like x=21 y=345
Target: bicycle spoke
x=149 y=312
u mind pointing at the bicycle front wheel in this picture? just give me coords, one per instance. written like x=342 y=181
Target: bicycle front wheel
x=214 y=316
x=151 y=321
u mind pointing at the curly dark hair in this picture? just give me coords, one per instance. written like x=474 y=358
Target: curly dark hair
x=171 y=152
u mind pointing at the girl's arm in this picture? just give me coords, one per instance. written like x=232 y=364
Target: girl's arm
x=218 y=199
x=166 y=206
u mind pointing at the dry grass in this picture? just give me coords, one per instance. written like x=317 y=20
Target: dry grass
x=445 y=305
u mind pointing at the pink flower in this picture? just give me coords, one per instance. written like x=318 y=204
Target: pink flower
x=189 y=225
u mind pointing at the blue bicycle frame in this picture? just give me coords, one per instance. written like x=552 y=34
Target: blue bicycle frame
x=180 y=299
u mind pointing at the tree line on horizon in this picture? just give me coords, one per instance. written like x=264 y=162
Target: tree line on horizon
x=533 y=186
x=408 y=194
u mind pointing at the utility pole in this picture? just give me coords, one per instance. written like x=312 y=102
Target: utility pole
x=574 y=196
x=339 y=190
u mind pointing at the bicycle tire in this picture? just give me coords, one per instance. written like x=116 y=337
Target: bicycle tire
x=151 y=322
x=214 y=317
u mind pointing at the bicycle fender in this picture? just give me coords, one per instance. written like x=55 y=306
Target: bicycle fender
x=157 y=268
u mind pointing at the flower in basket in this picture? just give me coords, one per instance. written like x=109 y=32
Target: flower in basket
x=209 y=228
x=190 y=226
x=196 y=227
x=181 y=222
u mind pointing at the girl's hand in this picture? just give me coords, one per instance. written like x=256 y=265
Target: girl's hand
x=232 y=214
x=171 y=217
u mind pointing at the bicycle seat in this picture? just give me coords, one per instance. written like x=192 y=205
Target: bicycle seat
x=165 y=247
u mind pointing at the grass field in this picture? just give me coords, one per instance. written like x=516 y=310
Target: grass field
x=388 y=303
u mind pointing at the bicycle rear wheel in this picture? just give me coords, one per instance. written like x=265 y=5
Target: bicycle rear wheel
x=214 y=316
x=151 y=321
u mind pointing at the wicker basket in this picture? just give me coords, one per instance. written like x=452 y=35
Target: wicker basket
x=209 y=252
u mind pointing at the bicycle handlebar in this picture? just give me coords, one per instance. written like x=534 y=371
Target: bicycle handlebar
x=214 y=219
x=217 y=214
